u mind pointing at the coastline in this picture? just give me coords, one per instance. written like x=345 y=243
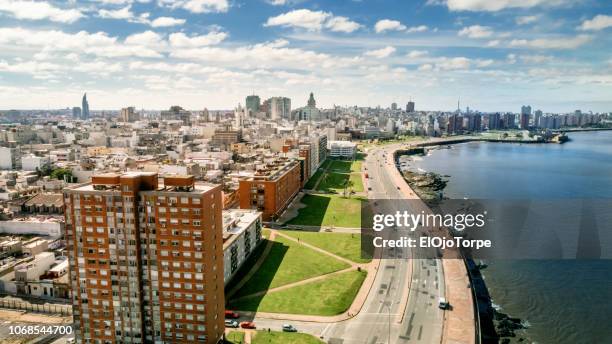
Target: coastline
x=532 y=299
x=493 y=326
x=461 y=325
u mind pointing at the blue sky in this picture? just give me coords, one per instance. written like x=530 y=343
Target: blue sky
x=495 y=55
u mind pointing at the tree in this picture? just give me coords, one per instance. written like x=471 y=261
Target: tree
x=61 y=173
x=348 y=185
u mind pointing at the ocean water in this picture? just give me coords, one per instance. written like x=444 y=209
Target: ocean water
x=567 y=301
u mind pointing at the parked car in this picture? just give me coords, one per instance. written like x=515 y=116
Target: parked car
x=231 y=323
x=248 y=325
x=443 y=304
x=289 y=328
x=231 y=315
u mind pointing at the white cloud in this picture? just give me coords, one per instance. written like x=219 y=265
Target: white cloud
x=342 y=24
x=420 y=28
x=388 y=25
x=277 y=2
x=313 y=21
x=126 y=13
x=552 y=43
x=302 y=18
x=29 y=67
x=167 y=21
x=414 y=54
x=115 y=2
x=99 y=43
x=484 y=63
x=122 y=13
x=198 y=6
x=181 y=40
x=39 y=10
x=536 y=58
x=453 y=63
x=476 y=31
x=494 y=43
x=497 y=5
x=599 y=22
x=147 y=39
x=381 y=53
x=276 y=54
x=524 y=20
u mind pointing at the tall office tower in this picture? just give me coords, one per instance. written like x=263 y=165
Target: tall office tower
x=85 y=107
x=280 y=107
x=525 y=115
x=393 y=106
x=525 y=121
x=537 y=118
x=495 y=121
x=146 y=259
x=252 y=104
x=526 y=109
x=410 y=106
x=509 y=121
x=129 y=114
x=76 y=112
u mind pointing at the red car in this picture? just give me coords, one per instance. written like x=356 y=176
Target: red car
x=248 y=325
x=231 y=315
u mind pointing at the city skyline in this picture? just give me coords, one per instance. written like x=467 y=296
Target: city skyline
x=154 y=54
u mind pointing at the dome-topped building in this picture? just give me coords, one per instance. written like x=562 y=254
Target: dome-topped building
x=311 y=101
x=308 y=112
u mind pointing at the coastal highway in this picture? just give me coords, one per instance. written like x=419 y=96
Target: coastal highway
x=402 y=305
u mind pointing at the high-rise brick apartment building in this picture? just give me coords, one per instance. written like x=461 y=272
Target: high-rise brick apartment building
x=146 y=259
x=271 y=188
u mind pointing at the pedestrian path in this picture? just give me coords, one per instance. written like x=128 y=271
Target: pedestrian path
x=352 y=311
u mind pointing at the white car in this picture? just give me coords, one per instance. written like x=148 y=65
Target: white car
x=443 y=304
x=289 y=328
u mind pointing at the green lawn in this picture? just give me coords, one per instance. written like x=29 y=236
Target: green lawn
x=289 y=262
x=333 y=182
x=265 y=337
x=342 y=166
x=235 y=337
x=265 y=233
x=310 y=184
x=329 y=210
x=327 y=297
x=357 y=182
x=346 y=245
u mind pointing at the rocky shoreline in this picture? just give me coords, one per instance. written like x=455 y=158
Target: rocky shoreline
x=428 y=185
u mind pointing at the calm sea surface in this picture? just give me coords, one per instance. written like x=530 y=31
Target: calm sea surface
x=566 y=301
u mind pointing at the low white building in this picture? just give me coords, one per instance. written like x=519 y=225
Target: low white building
x=9 y=158
x=241 y=235
x=34 y=163
x=38 y=225
x=342 y=149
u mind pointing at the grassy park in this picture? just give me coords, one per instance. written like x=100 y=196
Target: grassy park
x=289 y=262
x=273 y=337
x=346 y=245
x=234 y=337
x=330 y=296
x=329 y=210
